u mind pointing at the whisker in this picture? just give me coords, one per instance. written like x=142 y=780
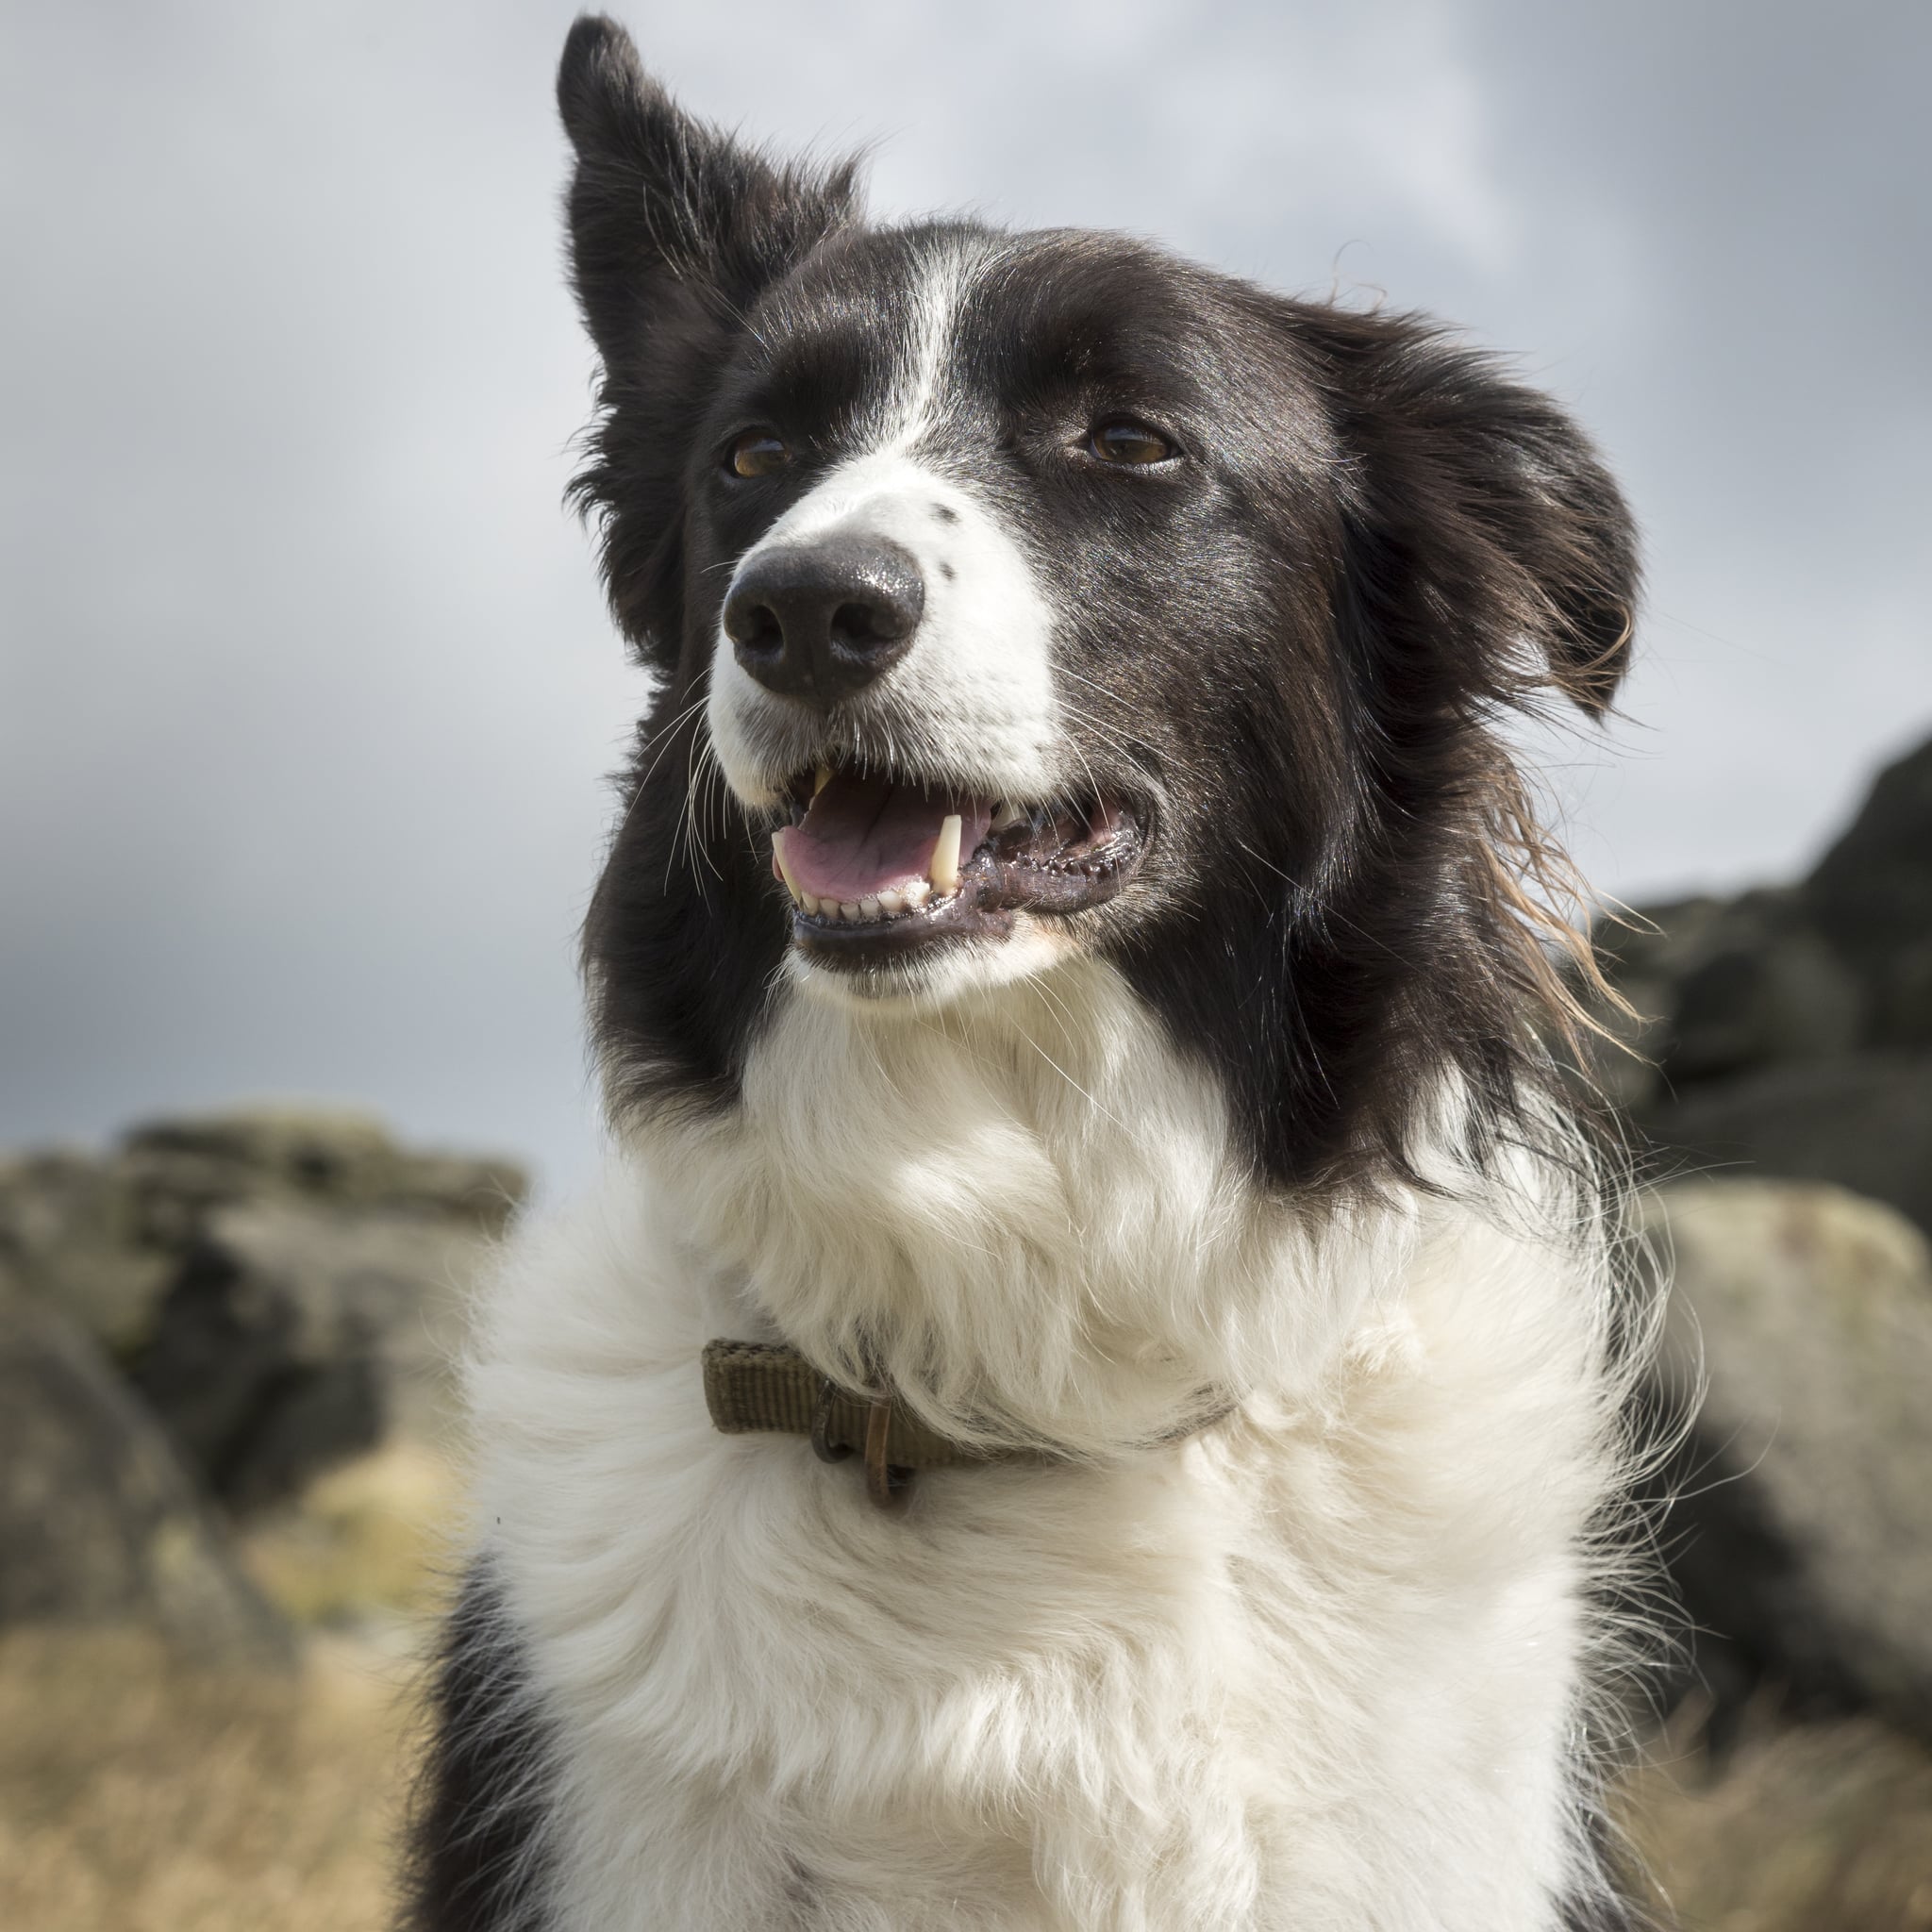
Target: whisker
x=1106 y=1113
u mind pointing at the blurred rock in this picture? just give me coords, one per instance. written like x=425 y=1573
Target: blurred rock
x=1724 y=987
x=1863 y=1122
x=1871 y=898
x=1801 y=1537
x=98 y=1521
x=282 y=1284
x=72 y=1229
x=331 y=1154
x=1787 y=973
x=1788 y=1030
x=296 y=1335
x=1781 y=999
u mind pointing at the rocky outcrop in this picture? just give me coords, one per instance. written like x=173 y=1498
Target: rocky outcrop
x=1800 y=1535
x=281 y=1286
x=1871 y=899
x=1863 y=1121
x=1788 y=1030
x=1787 y=1033
x=296 y=1334
x=347 y=1159
x=75 y=1229
x=98 y=1521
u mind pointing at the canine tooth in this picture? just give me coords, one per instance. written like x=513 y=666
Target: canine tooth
x=918 y=892
x=869 y=907
x=778 y=865
x=945 y=857
x=1007 y=815
x=848 y=910
x=892 y=904
x=822 y=780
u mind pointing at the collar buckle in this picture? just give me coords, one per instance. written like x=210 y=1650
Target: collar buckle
x=885 y=1482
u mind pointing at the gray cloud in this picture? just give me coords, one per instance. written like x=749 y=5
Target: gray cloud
x=304 y=688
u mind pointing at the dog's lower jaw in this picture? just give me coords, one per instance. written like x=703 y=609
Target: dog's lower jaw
x=1319 y=1666
x=929 y=981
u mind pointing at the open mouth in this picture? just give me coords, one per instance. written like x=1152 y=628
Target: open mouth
x=878 y=866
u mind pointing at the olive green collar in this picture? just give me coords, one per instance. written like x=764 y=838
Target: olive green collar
x=766 y=1386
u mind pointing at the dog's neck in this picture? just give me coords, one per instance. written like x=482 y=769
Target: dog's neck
x=1027 y=1210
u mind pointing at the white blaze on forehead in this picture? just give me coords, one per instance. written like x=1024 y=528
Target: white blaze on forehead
x=973 y=700
x=938 y=300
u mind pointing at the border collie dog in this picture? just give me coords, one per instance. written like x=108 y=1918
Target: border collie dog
x=1079 y=1020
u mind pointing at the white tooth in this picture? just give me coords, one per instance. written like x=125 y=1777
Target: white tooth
x=828 y=908
x=917 y=892
x=778 y=839
x=1007 y=815
x=869 y=906
x=945 y=857
x=848 y=911
x=892 y=904
x=824 y=778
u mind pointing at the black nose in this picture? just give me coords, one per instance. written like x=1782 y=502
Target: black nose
x=818 y=620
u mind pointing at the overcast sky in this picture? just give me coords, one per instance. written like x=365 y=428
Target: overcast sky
x=305 y=694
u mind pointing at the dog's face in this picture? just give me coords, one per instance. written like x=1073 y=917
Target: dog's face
x=1020 y=597
x=985 y=549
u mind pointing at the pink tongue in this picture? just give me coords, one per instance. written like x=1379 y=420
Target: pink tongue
x=864 y=836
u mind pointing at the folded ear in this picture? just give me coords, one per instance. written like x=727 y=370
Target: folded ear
x=1491 y=505
x=666 y=213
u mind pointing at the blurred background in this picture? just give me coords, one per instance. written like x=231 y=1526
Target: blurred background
x=307 y=700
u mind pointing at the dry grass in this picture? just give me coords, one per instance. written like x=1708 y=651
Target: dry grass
x=369 y=1542
x=139 y=1796
x=1803 y=1828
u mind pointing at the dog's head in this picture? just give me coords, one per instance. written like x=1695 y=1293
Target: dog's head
x=1018 y=597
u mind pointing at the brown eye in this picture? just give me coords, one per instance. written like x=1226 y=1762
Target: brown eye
x=1124 y=440
x=756 y=453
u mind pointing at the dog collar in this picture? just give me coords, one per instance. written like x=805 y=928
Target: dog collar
x=753 y=1386
x=766 y=1386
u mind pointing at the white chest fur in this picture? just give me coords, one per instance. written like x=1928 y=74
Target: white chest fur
x=1318 y=1667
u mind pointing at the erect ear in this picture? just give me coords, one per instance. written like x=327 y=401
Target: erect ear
x=1519 y=544
x=666 y=213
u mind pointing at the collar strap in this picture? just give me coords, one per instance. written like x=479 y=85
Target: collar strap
x=753 y=1386
x=766 y=1386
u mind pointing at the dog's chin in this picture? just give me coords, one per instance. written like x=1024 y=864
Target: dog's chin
x=949 y=890
x=939 y=976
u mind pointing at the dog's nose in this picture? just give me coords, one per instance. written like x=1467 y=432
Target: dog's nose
x=818 y=620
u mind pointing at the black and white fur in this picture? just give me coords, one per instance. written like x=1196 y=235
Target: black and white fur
x=1274 y=1123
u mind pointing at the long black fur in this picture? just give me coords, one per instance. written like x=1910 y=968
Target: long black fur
x=477 y=1848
